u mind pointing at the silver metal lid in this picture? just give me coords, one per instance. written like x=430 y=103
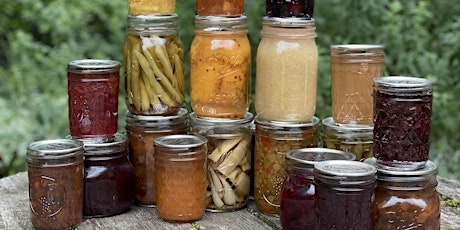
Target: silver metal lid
x=180 y=141
x=195 y=120
x=288 y=22
x=141 y=120
x=312 y=156
x=357 y=49
x=54 y=149
x=344 y=168
x=285 y=124
x=93 y=65
x=391 y=84
x=217 y=23
x=331 y=124
x=429 y=168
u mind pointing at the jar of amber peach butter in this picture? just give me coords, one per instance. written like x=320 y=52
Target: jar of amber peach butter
x=223 y=8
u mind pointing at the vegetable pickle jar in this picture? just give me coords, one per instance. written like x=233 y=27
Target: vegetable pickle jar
x=93 y=98
x=290 y=8
x=272 y=141
x=344 y=194
x=151 y=7
x=224 y=8
x=297 y=203
x=287 y=70
x=153 y=58
x=357 y=139
x=220 y=67
x=55 y=171
x=402 y=121
x=180 y=177
x=141 y=131
x=229 y=160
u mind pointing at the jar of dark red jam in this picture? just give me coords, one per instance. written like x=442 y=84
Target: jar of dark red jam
x=290 y=8
x=297 y=202
x=402 y=121
x=344 y=194
x=55 y=171
x=93 y=98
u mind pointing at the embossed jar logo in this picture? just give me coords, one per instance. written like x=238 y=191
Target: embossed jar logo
x=49 y=199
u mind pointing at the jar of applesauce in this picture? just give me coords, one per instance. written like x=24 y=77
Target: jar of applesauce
x=153 y=58
x=229 y=160
x=287 y=70
x=220 y=61
x=151 y=7
x=224 y=8
x=273 y=140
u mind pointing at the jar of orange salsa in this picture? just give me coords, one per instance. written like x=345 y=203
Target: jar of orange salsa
x=229 y=8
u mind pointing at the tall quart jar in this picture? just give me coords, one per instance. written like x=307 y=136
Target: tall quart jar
x=289 y=8
x=141 y=131
x=287 y=70
x=272 y=141
x=220 y=67
x=229 y=160
x=151 y=7
x=223 y=8
x=402 y=121
x=153 y=58
x=55 y=171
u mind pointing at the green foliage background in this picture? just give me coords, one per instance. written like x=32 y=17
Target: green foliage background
x=39 y=37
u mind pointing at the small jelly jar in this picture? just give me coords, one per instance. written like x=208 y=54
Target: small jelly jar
x=297 y=202
x=402 y=121
x=223 y=8
x=290 y=8
x=55 y=171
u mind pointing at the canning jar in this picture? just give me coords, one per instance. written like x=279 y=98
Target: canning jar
x=290 y=8
x=344 y=194
x=55 y=171
x=297 y=202
x=220 y=67
x=180 y=177
x=353 y=68
x=402 y=121
x=357 y=139
x=224 y=8
x=153 y=57
x=229 y=160
x=151 y=7
x=287 y=70
x=93 y=98
x=272 y=141
x=141 y=131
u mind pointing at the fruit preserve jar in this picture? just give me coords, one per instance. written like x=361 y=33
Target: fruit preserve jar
x=272 y=141
x=402 y=121
x=290 y=8
x=287 y=70
x=220 y=61
x=151 y=7
x=55 y=171
x=224 y=8
x=154 y=59
x=229 y=160
x=93 y=98
x=297 y=203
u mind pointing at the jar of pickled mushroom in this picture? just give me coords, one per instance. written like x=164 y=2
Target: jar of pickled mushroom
x=151 y=7
x=287 y=70
x=180 y=177
x=344 y=194
x=93 y=98
x=224 y=8
x=220 y=67
x=272 y=141
x=55 y=171
x=141 y=131
x=297 y=203
x=153 y=57
x=402 y=121
x=229 y=160
x=290 y=8
x=353 y=68
x=357 y=139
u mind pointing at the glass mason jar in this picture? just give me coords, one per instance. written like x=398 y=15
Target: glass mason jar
x=153 y=58
x=353 y=68
x=290 y=8
x=141 y=131
x=357 y=139
x=229 y=160
x=224 y=8
x=297 y=203
x=272 y=141
x=287 y=70
x=180 y=177
x=402 y=121
x=151 y=7
x=344 y=194
x=93 y=98
x=220 y=67
x=55 y=171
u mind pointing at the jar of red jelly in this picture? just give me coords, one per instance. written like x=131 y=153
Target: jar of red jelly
x=297 y=202
x=344 y=194
x=402 y=121
x=93 y=98
x=290 y=8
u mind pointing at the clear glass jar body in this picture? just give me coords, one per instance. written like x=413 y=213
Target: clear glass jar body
x=151 y=7
x=402 y=121
x=229 y=160
x=287 y=70
x=353 y=68
x=290 y=8
x=141 y=131
x=220 y=67
x=224 y=8
x=154 y=59
x=55 y=171
x=93 y=87
x=272 y=141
